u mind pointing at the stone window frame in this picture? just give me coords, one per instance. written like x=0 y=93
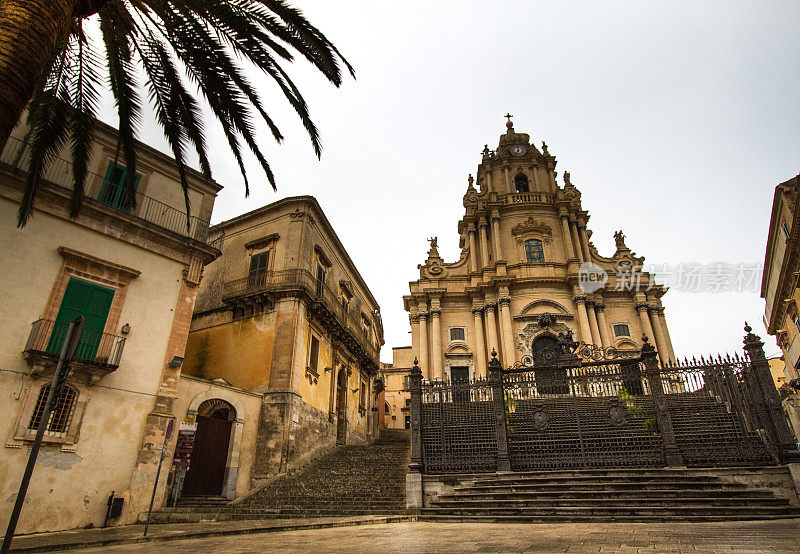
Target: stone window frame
x=546 y=240
x=525 y=241
x=69 y=440
x=363 y=393
x=450 y=333
x=261 y=245
x=312 y=372
x=94 y=270
x=627 y=324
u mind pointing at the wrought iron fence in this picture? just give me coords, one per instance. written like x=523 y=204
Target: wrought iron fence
x=47 y=339
x=59 y=175
x=612 y=413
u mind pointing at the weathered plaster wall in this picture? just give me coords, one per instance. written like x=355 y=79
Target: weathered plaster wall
x=69 y=489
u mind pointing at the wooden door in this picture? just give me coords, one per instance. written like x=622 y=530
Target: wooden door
x=209 y=457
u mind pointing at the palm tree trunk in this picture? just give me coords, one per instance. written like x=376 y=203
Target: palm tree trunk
x=29 y=30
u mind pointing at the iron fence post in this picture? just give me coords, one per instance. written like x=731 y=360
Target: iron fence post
x=498 y=397
x=650 y=358
x=767 y=401
x=415 y=378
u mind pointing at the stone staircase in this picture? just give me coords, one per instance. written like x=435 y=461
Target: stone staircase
x=351 y=480
x=607 y=495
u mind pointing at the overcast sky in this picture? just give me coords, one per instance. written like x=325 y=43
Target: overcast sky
x=675 y=119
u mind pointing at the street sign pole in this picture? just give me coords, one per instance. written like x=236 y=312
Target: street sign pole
x=167 y=435
x=71 y=340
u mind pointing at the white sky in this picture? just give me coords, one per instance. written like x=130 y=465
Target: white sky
x=675 y=119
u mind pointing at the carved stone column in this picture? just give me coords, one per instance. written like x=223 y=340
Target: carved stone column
x=647 y=330
x=600 y=310
x=573 y=227
x=436 y=344
x=480 y=343
x=498 y=249
x=473 y=249
x=484 y=245
x=665 y=329
x=507 y=331
x=568 y=249
x=661 y=342
x=583 y=318
x=507 y=175
x=595 y=330
x=423 y=344
x=489 y=179
x=491 y=327
x=584 y=238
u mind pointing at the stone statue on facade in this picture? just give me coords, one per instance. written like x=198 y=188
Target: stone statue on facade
x=619 y=238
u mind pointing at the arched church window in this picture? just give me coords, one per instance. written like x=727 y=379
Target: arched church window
x=534 y=251
x=521 y=182
x=386 y=407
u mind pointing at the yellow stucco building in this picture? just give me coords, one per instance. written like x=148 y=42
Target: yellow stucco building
x=779 y=284
x=132 y=272
x=285 y=314
x=527 y=272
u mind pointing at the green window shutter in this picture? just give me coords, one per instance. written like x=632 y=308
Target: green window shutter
x=91 y=301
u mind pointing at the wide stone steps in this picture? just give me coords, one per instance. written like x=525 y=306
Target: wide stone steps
x=351 y=480
x=607 y=495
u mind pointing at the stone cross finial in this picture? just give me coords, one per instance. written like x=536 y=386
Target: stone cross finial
x=508 y=116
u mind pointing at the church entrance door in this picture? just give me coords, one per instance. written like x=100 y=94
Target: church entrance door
x=341 y=407
x=460 y=378
x=550 y=380
x=209 y=457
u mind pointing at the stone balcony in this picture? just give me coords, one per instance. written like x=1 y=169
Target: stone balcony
x=261 y=290
x=97 y=355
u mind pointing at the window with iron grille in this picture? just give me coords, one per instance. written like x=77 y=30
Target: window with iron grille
x=456 y=333
x=534 y=252
x=622 y=330
x=60 y=415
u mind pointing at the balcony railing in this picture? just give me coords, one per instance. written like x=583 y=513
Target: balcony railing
x=59 y=174
x=101 y=351
x=529 y=198
x=301 y=280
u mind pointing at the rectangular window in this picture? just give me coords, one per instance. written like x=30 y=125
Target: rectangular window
x=622 y=330
x=320 y=278
x=407 y=382
x=313 y=357
x=91 y=301
x=112 y=193
x=785 y=227
x=534 y=252
x=259 y=263
x=457 y=333
x=363 y=400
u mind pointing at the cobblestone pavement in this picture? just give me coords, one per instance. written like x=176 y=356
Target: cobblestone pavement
x=757 y=536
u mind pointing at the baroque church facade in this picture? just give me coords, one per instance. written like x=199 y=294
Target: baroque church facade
x=528 y=271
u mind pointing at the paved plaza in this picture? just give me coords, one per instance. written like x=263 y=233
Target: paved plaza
x=757 y=536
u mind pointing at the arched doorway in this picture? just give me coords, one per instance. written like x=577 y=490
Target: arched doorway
x=341 y=406
x=545 y=350
x=209 y=458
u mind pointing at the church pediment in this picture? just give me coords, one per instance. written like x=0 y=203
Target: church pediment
x=530 y=225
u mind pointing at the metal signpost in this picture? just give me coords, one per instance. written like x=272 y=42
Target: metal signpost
x=167 y=435
x=71 y=340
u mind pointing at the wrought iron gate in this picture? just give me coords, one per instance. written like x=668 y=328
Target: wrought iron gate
x=607 y=413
